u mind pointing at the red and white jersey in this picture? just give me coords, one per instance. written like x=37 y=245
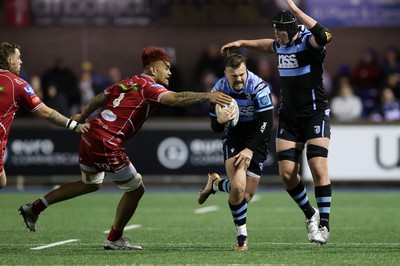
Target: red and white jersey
x=130 y=102
x=14 y=93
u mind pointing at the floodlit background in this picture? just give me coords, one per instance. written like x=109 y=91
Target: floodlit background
x=72 y=50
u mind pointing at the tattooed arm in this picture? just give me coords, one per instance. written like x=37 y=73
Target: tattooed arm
x=95 y=103
x=186 y=98
x=58 y=119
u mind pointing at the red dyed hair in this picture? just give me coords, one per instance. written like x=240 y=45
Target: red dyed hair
x=151 y=54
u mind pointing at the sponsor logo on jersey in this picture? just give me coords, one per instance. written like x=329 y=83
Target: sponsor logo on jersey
x=247 y=110
x=1 y=89
x=328 y=36
x=133 y=87
x=29 y=90
x=263 y=126
x=108 y=115
x=287 y=61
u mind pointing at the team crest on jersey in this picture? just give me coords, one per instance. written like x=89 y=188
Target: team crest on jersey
x=29 y=90
x=1 y=89
x=264 y=100
x=317 y=129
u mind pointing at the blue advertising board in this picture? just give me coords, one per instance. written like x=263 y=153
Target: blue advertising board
x=355 y=13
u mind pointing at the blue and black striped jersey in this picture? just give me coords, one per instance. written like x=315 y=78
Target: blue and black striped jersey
x=255 y=97
x=256 y=107
x=300 y=67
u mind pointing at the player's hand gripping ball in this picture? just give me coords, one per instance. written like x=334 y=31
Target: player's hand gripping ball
x=233 y=107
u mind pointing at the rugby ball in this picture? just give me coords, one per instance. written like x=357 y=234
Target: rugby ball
x=232 y=105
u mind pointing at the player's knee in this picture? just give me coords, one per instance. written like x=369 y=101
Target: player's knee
x=291 y=154
x=316 y=151
x=132 y=184
x=319 y=171
x=287 y=175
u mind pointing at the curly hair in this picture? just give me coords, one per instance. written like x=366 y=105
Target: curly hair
x=6 y=49
x=151 y=54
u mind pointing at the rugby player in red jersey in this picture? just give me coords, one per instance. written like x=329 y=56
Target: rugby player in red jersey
x=16 y=93
x=125 y=107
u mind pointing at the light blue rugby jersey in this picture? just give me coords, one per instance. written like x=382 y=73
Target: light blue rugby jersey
x=255 y=96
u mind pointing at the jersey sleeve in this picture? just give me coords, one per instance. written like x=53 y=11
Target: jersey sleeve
x=310 y=46
x=263 y=99
x=27 y=97
x=154 y=92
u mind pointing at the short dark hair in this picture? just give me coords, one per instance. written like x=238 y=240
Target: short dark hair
x=235 y=60
x=6 y=49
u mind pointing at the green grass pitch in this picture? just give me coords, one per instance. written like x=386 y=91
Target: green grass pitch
x=365 y=230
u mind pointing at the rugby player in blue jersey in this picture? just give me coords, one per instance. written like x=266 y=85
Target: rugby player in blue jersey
x=304 y=122
x=245 y=145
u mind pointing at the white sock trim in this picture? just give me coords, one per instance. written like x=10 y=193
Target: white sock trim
x=241 y=230
x=44 y=201
x=214 y=187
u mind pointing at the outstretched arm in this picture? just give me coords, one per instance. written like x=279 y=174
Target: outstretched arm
x=263 y=45
x=321 y=35
x=58 y=119
x=187 y=98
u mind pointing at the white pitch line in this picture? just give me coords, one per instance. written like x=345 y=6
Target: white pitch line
x=129 y=227
x=55 y=244
x=206 y=209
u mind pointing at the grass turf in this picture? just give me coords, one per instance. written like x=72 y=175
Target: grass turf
x=365 y=230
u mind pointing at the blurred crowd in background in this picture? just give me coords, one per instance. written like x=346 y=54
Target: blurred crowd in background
x=369 y=90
